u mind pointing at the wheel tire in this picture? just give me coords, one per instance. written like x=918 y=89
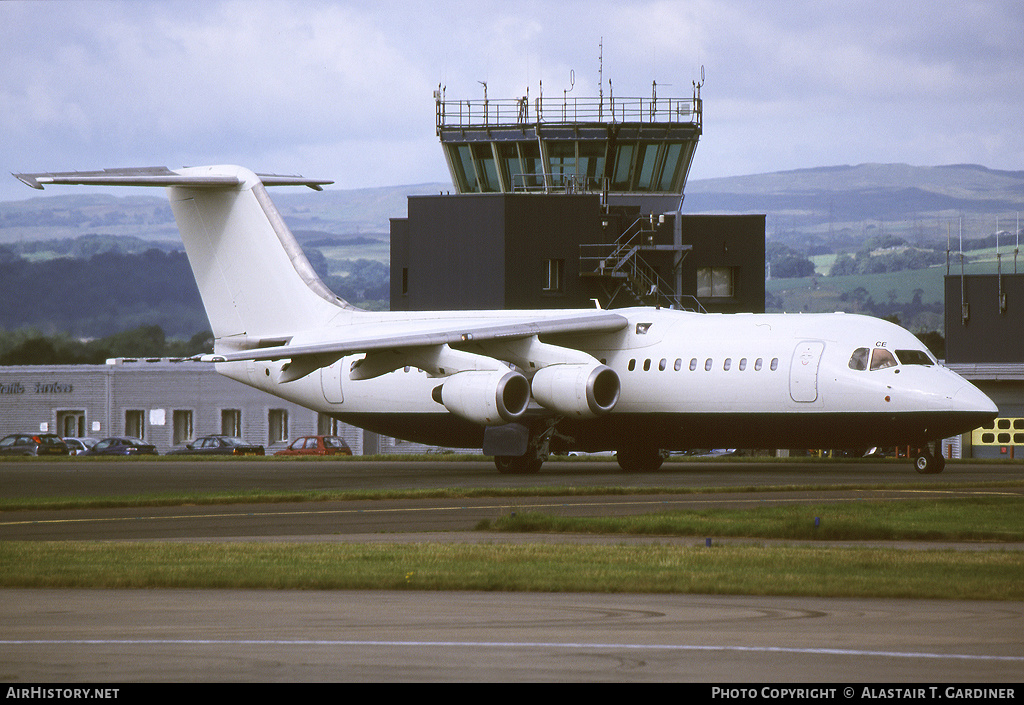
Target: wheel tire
x=928 y=464
x=518 y=465
x=633 y=460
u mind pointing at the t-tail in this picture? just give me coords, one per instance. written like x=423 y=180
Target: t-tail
x=256 y=284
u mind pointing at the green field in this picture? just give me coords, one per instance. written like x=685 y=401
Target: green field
x=751 y=552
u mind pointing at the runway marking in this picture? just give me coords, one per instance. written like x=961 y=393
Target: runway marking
x=505 y=645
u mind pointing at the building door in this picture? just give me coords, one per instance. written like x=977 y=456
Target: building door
x=71 y=424
x=803 y=371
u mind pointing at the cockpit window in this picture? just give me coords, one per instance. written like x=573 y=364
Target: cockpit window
x=859 y=359
x=882 y=358
x=914 y=357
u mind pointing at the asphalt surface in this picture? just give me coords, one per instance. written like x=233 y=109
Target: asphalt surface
x=112 y=636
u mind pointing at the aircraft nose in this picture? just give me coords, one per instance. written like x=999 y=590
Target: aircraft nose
x=971 y=399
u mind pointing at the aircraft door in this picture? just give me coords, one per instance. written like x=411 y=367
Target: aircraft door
x=803 y=371
x=330 y=382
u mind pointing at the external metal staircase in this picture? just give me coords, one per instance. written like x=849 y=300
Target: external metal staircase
x=622 y=269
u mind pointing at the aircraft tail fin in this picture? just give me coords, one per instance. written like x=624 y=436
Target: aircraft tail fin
x=254 y=279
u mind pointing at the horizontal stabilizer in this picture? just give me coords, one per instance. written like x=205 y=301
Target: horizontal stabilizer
x=161 y=176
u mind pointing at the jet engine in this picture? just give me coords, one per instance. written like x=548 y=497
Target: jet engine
x=489 y=397
x=580 y=391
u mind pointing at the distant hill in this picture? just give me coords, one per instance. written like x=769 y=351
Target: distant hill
x=330 y=213
x=819 y=213
x=817 y=210
x=830 y=209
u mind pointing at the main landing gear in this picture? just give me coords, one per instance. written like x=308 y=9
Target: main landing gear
x=640 y=459
x=528 y=464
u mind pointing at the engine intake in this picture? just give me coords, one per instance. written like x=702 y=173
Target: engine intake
x=581 y=391
x=491 y=397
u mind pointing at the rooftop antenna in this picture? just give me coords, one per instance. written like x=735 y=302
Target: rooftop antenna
x=486 y=111
x=600 y=80
x=964 y=306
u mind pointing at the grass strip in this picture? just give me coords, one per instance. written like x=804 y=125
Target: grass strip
x=990 y=518
x=261 y=496
x=654 y=568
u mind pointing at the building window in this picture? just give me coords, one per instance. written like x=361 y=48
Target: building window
x=327 y=426
x=135 y=423
x=182 y=421
x=555 y=270
x=277 y=423
x=231 y=422
x=716 y=282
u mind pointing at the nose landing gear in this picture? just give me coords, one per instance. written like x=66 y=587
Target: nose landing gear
x=929 y=462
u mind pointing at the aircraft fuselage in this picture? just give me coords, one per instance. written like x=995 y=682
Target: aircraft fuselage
x=690 y=381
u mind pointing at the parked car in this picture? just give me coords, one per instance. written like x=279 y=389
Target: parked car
x=317 y=445
x=77 y=446
x=219 y=445
x=33 y=444
x=122 y=445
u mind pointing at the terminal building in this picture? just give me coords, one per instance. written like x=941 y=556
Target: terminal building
x=166 y=402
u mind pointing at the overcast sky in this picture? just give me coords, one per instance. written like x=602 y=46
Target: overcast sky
x=343 y=90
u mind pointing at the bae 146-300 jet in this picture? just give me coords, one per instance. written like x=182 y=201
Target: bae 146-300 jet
x=523 y=384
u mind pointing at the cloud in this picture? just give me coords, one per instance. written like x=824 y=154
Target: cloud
x=342 y=89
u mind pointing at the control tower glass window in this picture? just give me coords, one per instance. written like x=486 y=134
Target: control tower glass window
x=623 y=167
x=668 y=172
x=511 y=165
x=465 y=172
x=591 y=163
x=647 y=163
x=562 y=160
x=487 y=170
x=533 y=168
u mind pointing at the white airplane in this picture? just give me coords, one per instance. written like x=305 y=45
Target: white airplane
x=522 y=384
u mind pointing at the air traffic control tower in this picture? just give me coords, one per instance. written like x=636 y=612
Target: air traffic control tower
x=633 y=151
x=561 y=202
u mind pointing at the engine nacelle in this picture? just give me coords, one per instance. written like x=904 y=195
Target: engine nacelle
x=579 y=391
x=489 y=397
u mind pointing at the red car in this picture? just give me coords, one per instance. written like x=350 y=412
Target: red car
x=317 y=445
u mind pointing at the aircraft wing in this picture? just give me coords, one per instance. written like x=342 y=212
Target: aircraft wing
x=382 y=336
x=362 y=338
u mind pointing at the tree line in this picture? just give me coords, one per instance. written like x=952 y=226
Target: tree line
x=30 y=347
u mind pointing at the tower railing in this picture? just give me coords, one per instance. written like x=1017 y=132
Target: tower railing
x=483 y=113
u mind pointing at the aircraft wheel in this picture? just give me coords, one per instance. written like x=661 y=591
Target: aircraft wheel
x=518 y=465
x=927 y=464
x=639 y=460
